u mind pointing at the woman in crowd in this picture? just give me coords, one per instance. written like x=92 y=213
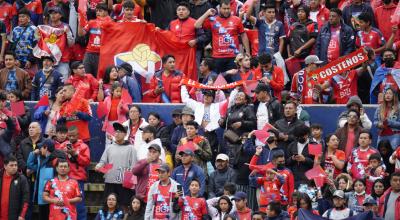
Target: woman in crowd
x=24 y=119
x=134 y=123
x=378 y=189
x=386 y=151
x=110 y=76
x=110 y=210
x=136 y=209
x=219 y=210
x=387 y=118
x=154 y=120
x=357 y=197
x=333 y=159
x=304 y=202
x=344 y=182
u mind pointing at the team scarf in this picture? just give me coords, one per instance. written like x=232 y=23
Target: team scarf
x=197 y=85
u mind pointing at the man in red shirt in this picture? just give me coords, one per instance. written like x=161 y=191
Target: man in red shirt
x=126 y=11
x=91 y=59
x=62 y=193
x=6 y=14
x=242 y=212
x=383 y=15
x=369 y=36
x=318 y=12
x=78 y=156
x=80 y=78
x=225 y=29
x=183 y=27
x=270 y=74
x=14 y=191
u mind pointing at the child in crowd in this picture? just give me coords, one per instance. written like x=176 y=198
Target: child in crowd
x=270 y=186
x=61 y=135
x=192 y=206
x=317 y=134
x=375 y=170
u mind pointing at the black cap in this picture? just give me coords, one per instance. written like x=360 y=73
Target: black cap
x=262 y=87
x=49 y=143
x=119 y=127
x=46 y=57
x=75 y=64
x=155 y=147
x=126 y=66
x=56 y=9
x=177 y=112
x=164 y=167
x=209 y=92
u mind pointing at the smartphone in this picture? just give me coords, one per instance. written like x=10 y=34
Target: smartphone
x=179 y=188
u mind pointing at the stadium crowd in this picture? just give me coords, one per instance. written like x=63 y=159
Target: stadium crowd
x=248 y=152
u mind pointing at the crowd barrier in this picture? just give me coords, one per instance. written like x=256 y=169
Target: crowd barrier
x=326 y=115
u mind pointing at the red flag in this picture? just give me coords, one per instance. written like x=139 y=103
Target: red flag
x=17 y=108
x=261 y=135
x=188 y=146
x=44 y=101
x=223 y=107
x=106 y=168
x=142 y=46
x=249 y=86
x=126 y=97
x=315 y=149
x=220 y=81
x=316 y=171
x=268 y=126
x=51 y=43
x=261 y=168
x=101 y=109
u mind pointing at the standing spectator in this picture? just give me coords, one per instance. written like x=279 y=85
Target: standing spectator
x=39 y=163
x=188 y=171
x=207 y=71
x=146 y=171
x=378 y=188
x=47 y=80
x=7 y=128
x=110 y=209
x=243 y=70
x=339 y=210
x=198 y=8
x=267 y=108
x=136 y=209
x=28 y=145
x=35 y=8
x=357 y=197
x=287 y=125
x=298 y=158
x=382 y=14
x=14 y=191
x=368 y=35
x=22 y=121
x=389 y=203
x=6 y=15
x=23 y=40
x=134 y=124
x=165 y=85
x=75 y=111
x=147 y=138
x=225 y=29
x=14 y=78
x=183 y=27
x=123 y=156
x=223 y=174
x=192 y=206
x=335 y=39
x=352 y=11
x=3 y=41
x=64 y=6
x=162 y=12
x=161 y=195
x=287 y=189
x=56 y=14
x=318 y=12
x=78 y=155
x=242 y=212
x=80 y=78
x=302 y=114
x=91 y=59
x=270 y=74
x=62 y=193
x=180 y=131
x=262 y=152
x=333 y=159
x=349 y=133
x=166 y=132
x=110 y=76
x=387 y=118
x=130 y=82
x=355 y=103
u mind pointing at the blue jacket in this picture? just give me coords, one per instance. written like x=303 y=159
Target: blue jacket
x=55 y=78
x=40 y=117
x=348 y=11
x=195 y=172
x=266 y=154
x=44 y=172
x=347 y=41
x=132 y=84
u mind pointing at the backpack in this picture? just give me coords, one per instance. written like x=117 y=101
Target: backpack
x=298 y=37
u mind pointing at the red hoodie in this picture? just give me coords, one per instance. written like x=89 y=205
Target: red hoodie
x=82 y=160
x=322 y=16
x=243 y=215
x=382 y=18
x=89 y=80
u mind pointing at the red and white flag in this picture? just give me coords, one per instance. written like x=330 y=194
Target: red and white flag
x=51 y=41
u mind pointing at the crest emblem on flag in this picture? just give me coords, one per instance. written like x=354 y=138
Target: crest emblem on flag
x=51 y=41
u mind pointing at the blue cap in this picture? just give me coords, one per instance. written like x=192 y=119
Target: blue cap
x=239 y=195
x=369 y=201
x=187 y=151
x=48 y=143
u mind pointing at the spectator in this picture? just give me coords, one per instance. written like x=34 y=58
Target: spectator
x=78 y=156
x=62 y=193
x=386 y=151
x=269 y=186
x=365 y=79
x=378 y=188
x=387 y=117
x=47 y=116
x=339 y=210
x=180 y=131
x=134 y=124
x=335 y=38
x=161 y=195
x=40 y=164
x=352 y=11
x=60 y=135
x=267 y=108
x=123 y=156
x=219 y=208
x=148 y=137
x=344 y=182
x=287 y=190
x=271 y=33
x=130 y=82
x=302 y=114
x=56 y=3
x=91 y=59
x=317 y=134
x=35 y=9
x=242 y=71
x=198 y=8
x=14 y=191
x=220 y=176
x=14 y=78
x=358 y=160
x=28 y=144
x=287 y=125
x=47 y=80
x=163 y=12
x=192 y=206
x=131 y=12
x=298 y=158
x=257 y=215
x=262 y=152
x=368 y=35
x=110 y=209
x=75 y=111
x=355 y=103
x=357 y=197
x=146 y=171
x=310 y=92
x=6 y=15
x=166 y=132
x=207 y=70
x=22 y=121
x=80 y=78
x=224 y=52
x=333 y=159
x=136 y=209
x=240 y=119
x=56 y=14
x=371 y=204
x=242 y=212
x=304 y=202
x=23 y=40
x=185 y=173
x=349 y=133
x=155 y=121
x=389 y=201
x=110 y=76
x=271 y=75
x=384 y=13
x=183 y=27
x=318 y=12
x=275 y=212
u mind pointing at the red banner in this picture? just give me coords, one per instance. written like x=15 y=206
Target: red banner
x=197 y=85
x=142 y=46
x=339 y=66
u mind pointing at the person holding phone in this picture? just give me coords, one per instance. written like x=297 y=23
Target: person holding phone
x=191 y=205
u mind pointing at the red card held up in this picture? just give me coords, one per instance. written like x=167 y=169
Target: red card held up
x=107 y=167
x=268 y=126
x=188 y=146
x=316 y=171
x=18 y=108
x=315 y=149
x=261 y=135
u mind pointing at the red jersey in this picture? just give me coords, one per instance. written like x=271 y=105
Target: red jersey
x=162 y=203
x=270 y=191
x=344 y=87
x=334 y=44
x=184 y=30
x=93 y=27
x=5 y=195
x=253 y=40
x=303 y=86
x=287 y=188
x=6 y=14
x=69 y=108
x=153 y=177
x=225 y=35
x=358 y=162
x=373 y=39
x=193 y=208
x=35 y=7
x=329 y=166
x=68 y=189
x=118 y=12
x=388 y=81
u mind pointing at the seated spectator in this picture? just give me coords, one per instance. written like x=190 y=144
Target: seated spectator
x=134 y=124
x=349 y=133
x=14 y=78
x=136 y=209
x=287 y=125
x=220 y=176
x=355 y=103
x=110 y=76
x=218 y=209
x=333 y=159
x=47 y=80
x=147 y=138
x=110 y=208
x=80 y=78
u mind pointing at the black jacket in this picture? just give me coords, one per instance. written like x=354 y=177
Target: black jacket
x=299 y=168
x=288 y=128
x=275 y=110
x=5 y=138
x=23 y=150
x=166 y=135
x=217 y=181
x=19 y=195
x=244 y=114
x=162 y=12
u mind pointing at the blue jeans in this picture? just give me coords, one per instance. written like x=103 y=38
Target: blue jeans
x=80 y=207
